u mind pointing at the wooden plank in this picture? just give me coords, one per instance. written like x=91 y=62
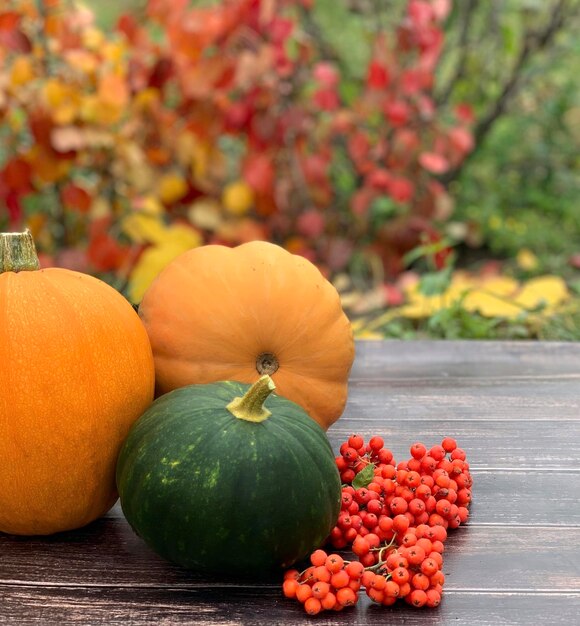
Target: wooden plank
x=492 y=399
x=535 y=445
x=515 y=408
x=377 y=360
x=29 y=606
x=108 y=554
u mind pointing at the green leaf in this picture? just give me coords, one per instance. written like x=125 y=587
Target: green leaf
x=364 y=477
x=435 y=283
x=346 y=33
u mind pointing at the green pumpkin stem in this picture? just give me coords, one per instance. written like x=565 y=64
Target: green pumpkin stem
x=250 y=406
x=18 y=252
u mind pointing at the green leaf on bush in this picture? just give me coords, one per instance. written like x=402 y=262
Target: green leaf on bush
x=346 y=34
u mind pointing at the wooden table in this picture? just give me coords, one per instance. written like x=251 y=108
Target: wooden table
x=514 y=407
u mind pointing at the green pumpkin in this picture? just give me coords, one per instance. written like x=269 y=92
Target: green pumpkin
x=214 y=481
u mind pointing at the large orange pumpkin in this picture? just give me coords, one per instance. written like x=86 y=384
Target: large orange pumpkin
x=218 y=313
x=76 y=370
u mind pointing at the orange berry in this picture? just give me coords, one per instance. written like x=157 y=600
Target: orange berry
x=289 y=587
x=340 y=579
x=329 y=601
x=291 y=574
x=346 y=596
x=320 y=573
x=318 y=557
x=303 y=592
x=379 y=582
x=334 y=563
x=312 y=606
x=355 y=569
x=320 y=589
x=375 y=594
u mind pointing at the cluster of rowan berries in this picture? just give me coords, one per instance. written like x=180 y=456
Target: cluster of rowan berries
x=394 y=518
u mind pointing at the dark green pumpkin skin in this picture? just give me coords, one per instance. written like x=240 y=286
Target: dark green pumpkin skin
x=212 y=492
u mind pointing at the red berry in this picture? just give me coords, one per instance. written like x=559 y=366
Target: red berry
x=356 y=442
x=334 y=563
x=355 y=569
x=418 y=451
x=289 y=587
x=312 y=606
x=449 y=444
x=318 y=557
x=340 y=579
x=376 y=443
x=418 y=597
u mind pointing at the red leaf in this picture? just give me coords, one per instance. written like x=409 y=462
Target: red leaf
x=361 y=200
x=378 y=76
x=315 y=168
x=280 y=29
x=379 y=179
x=433 y=162
x=76 y=198
x=258 y=172
x=14 y=209
x=359 y=146
x=326 y=99
x=401 y=190
x=105 y=253
x=420 y=12
x=16 y=175
x=311 y=223
x=415 y=80
x=326 y=74
x=462 y=140
x=464 y=113
x=397 y=113
x=441 y=9
x=9 y=20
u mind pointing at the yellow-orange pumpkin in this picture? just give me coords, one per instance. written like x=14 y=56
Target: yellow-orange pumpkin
x=76 y=370
x=218 y=313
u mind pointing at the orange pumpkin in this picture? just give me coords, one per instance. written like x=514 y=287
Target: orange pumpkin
x=76 y=371
x=218 y=313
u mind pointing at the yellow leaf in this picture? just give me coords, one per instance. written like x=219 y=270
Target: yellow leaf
x=93 y=38
x=179 y=239
x=113 y=51
x=548 y=290
x=144 y=228
x=368 y=335
x=526 y=260
x=171 y=188
x=145 y=99
x=183 y=236
x=22 y=71
x=238 y=197
x=54 y=92
x=490 y=304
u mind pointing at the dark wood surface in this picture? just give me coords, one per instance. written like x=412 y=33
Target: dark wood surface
x=514 y=407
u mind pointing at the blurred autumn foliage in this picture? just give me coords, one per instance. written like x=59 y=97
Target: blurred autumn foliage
x=222 y=124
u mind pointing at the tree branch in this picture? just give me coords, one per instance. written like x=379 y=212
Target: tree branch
x=534 y=42
x=459 y=73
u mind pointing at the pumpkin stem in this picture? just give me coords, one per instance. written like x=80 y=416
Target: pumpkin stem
x=18 y=252
x=250 y=406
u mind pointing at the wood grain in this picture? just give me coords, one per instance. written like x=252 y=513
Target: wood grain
x=515 y=408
